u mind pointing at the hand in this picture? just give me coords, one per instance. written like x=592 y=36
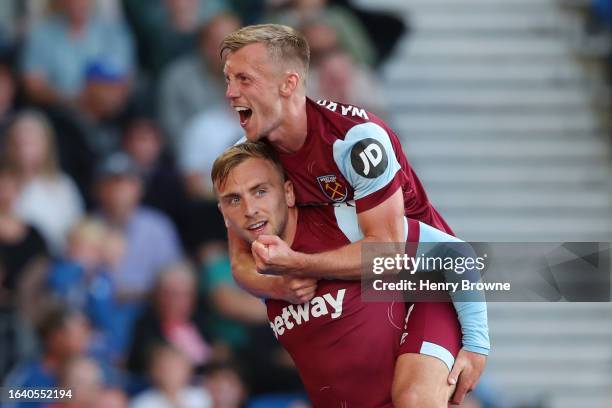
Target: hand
x=466 y=371
x=273 y=256
x=297 y=290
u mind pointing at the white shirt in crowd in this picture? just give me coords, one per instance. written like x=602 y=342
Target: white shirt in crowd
x=53 y=206
x=189 y=397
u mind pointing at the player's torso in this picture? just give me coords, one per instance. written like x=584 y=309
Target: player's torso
x=315 y=170
x=316 y=176
x=344 y=348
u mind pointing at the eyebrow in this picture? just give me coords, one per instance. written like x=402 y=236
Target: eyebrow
x=232 y=194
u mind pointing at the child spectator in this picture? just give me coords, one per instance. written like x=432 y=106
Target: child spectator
x=171 y=372
x=64 y=335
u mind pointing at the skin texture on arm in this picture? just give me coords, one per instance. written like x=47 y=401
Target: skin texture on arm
x=383 y=223
x=236 y=304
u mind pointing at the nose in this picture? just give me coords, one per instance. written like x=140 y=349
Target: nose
x=231 y=92
x=249 y=207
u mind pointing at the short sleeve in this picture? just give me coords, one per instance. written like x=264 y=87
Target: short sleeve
x=367 y=160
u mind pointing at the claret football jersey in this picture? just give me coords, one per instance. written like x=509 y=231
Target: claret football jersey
x=351 y=155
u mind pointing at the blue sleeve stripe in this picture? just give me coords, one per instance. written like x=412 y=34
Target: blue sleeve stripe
x=364 y=186
x=435 y=350
x=472 y=315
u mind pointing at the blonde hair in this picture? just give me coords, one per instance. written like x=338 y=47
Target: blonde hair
x=240 y=153
x=89 y=229
x=284 y=44
x=50 y=167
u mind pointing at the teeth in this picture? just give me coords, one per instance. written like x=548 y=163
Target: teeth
x=240 y=108
x=258 y=225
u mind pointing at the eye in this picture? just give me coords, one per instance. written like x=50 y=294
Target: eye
x=261 y=192
x=234 y=201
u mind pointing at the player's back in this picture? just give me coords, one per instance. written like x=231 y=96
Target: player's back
x=344 y=349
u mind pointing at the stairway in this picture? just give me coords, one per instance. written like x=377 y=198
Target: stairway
x=496 y=116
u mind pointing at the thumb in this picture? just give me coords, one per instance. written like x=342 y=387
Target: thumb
x=454 y=374
x=259 y=248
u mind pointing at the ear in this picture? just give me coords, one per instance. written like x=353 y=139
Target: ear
x=290 y=83
x=289 y=194
x=224 y=219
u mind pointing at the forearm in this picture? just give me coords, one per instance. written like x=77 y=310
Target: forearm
x=247 y=277
x=474 y=327
x=471 y=306
x=342 y=263
x=235 y=304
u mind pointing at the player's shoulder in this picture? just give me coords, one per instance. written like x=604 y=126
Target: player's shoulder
x=340 y=118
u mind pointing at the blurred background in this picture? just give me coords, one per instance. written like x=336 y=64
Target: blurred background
x=114 y=277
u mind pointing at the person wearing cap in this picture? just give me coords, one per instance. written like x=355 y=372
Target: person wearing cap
x=151 y=239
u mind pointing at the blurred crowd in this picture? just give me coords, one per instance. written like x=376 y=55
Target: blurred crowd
x=114 y=275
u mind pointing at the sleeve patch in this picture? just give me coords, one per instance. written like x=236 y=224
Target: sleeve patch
x=368 y=158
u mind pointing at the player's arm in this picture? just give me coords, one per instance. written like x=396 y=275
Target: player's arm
x=383 y=223
x=471 y=309
x=471 y=306
x=367 y=160
x=293 y=290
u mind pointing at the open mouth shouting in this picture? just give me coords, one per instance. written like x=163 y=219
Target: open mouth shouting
x=244 y=113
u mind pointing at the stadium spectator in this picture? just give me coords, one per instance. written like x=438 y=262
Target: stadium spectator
x=167 y=29
x=195 y=82
x=232 y=309
x=335 y=77
x=208 y=134
x=64 y=335
x=170 y=372
x=21 y=244
x=59 y=48
x=151 y=241
x=384 y=28
x=23 y=259
x=48 y=198
x=225 y=386
x=111 y=398
x=349 y=30
x=165 y=189
x=85 y=380
x=172 y=318
x=163 y=185
x=103 y=104
x=82 y=280
x=8 y=90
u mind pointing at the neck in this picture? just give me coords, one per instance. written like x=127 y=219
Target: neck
x=290 y=136
x=288 y=234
